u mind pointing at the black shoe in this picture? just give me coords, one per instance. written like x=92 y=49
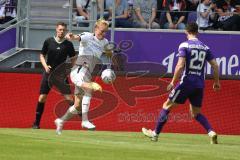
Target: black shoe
x=34 y=126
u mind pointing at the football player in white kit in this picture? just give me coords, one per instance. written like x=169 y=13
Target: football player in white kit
x=90 y=50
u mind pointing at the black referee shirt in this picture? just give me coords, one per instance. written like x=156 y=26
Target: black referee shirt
x=57 y=53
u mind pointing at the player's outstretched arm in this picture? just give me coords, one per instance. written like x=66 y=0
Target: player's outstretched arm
x=70 y=36
x=216 y=84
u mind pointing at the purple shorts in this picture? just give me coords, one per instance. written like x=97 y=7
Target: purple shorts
x=182 y=92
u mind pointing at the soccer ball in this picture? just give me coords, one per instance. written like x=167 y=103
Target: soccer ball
x=108 y=76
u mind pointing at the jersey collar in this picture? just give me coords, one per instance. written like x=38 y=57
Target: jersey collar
x=59 y=42
x=193 y=38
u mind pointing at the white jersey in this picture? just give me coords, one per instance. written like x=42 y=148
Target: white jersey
x=90 y=50
x=201 y=21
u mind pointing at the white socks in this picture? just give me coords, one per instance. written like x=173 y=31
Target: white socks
x=72 y=110
x=69 y=114
x=85 y=107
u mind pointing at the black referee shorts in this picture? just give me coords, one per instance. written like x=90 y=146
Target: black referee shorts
x=60 y=81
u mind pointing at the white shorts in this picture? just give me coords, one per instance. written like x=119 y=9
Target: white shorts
x=78 y=75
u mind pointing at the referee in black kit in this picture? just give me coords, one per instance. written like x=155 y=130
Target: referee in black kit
x=56 y=49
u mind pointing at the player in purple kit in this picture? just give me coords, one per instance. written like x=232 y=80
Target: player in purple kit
x=193 y=55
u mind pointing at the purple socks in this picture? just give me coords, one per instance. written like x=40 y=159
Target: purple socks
x=204 y=122
x=161 y=120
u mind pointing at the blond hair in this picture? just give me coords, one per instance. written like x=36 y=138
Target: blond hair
x=101 y=21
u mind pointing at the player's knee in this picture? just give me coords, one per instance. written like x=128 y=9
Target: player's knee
x=69 y=99
x=42 y=98
x=168 y=105
x=74 y=110
x=77 y=101
x=194 y=113
x=70 y=102
x=77 y=104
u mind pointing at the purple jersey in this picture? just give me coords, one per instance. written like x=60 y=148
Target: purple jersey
x=196 y=54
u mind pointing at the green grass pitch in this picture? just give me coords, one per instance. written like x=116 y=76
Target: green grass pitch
x=28 y=144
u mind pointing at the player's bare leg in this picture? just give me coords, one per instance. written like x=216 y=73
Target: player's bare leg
x=69 y=99
x=88 y=88
x=73 y=110
x=85 y=108
x=196 y=113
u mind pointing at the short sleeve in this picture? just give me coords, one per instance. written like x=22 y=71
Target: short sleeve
x=45 y=47
x=182 y=50
x=199 y=8
x=85 y=36
x=71 y=50
x=106 y=42
x=209 y=55
x=154 y=5
x=79 y=3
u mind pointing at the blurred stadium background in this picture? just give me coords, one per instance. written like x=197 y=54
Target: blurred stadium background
x=124 y=107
